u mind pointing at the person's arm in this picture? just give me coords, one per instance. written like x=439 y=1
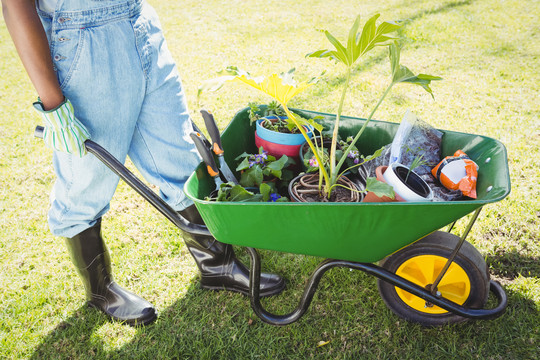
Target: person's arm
x=27 y=32
x=63 y=131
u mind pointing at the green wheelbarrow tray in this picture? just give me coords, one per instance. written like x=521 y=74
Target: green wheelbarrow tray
x=358 y=232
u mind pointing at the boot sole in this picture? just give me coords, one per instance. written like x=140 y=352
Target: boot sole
x=131 y=322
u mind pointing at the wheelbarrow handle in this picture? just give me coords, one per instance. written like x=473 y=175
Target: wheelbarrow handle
x=133 y=181
x=38 y=132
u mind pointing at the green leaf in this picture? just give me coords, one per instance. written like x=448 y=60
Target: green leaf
x=265 y=191
x=252 y=177
x=368 y=32
x=324 y=54
x=244 y=164
x=315 y=125
x=376 y=154
x=233 y=192
x=358 y=43
x=341 y=51
x=402 y=74
x=238 y=193
x=379 y=188
x=351 y=42
x=372 y=35
x=278 y=164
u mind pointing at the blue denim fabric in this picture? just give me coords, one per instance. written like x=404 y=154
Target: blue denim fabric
x=113 y=64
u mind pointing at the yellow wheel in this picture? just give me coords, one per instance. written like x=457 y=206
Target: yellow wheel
x=465 y=283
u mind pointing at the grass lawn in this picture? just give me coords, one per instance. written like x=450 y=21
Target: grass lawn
x=487 y=51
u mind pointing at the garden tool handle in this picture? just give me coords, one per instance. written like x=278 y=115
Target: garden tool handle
x=205 y=153
x=216 y=146
x=213 y=131
x=38 y=132
x=196 y=129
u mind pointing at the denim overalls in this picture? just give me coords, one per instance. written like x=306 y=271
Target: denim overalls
x=112 y=62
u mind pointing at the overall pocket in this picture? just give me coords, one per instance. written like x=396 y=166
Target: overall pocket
x=66 y=48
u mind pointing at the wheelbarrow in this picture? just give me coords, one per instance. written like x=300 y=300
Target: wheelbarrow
x=424 y=275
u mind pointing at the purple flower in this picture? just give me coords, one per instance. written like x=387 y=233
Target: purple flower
x=258 y=159
x=353 y=154
x=313 y=162
x=274 y=197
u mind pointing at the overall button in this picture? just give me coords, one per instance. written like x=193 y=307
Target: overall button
x=62 y=39
x=59 y=57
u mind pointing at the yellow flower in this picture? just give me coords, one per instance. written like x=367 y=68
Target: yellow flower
x=281 y=87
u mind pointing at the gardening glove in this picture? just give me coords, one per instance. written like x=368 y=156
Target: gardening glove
x=63 y=132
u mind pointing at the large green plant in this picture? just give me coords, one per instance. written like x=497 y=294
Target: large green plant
x=357 y=45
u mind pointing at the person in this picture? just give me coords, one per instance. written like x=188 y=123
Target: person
x=102 y=70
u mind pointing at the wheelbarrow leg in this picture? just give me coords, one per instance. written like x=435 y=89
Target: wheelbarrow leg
x=305 y=301
x=456 y=250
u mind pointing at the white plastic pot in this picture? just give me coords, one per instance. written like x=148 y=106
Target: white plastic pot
x=415 y=189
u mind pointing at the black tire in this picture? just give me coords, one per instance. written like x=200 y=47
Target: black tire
x=440 y=244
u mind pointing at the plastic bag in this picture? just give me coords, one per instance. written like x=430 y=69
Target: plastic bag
x=417 y=141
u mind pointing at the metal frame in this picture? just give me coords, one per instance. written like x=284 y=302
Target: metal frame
x=372 y=269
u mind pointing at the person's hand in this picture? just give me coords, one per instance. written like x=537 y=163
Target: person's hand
x=63 y=131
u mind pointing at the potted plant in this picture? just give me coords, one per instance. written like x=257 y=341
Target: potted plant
x=275 y=133
x=407 y=184
x=280 y=133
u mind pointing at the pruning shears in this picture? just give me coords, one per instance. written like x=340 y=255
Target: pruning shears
x=217 y=148
x=207 y=150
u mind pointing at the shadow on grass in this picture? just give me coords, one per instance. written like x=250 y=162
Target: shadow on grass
x=200 y=324
x=210 y=325
x=511 y=264
x=177 y=332
x=71 y=337
x=438 y=10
